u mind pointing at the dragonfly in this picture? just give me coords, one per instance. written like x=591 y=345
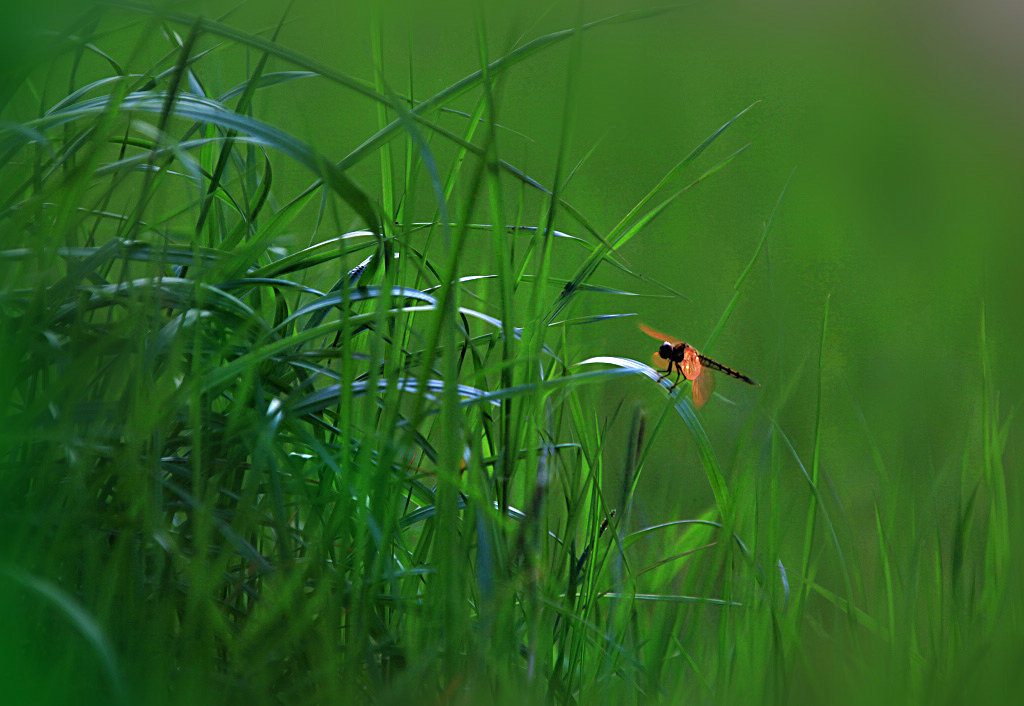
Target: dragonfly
x=683 y=359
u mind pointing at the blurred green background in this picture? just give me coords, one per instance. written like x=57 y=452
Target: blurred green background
x=896 y=128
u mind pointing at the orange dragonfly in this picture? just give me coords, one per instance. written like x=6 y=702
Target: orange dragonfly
x=686 y=361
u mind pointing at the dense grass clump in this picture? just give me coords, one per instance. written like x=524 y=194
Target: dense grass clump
x=284 y=425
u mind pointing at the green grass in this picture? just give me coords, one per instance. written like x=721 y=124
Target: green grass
x=271 y=438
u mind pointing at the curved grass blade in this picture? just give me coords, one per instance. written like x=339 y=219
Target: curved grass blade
x=230 y=371
x=683 y=407
x=208 y=111
x=76 y=614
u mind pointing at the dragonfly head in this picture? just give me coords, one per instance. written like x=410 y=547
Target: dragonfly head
x=665 y=350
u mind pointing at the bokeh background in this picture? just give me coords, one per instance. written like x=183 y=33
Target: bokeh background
x=885 y=138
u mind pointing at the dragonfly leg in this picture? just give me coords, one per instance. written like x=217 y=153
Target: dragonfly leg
x=679 y=371
x=666 y=372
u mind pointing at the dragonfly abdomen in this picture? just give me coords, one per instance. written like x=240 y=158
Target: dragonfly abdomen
x=715 y=365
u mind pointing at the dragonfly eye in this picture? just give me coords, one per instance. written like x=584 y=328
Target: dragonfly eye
x=665 y=351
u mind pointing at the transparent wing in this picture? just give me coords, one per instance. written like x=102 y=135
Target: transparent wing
x=658 y=335
x=703 y=386
x=690 y=365
x=659 y=363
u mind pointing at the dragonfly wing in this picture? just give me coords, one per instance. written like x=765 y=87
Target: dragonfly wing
x=658 y=335
x=690 y=364
x=703 y=386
